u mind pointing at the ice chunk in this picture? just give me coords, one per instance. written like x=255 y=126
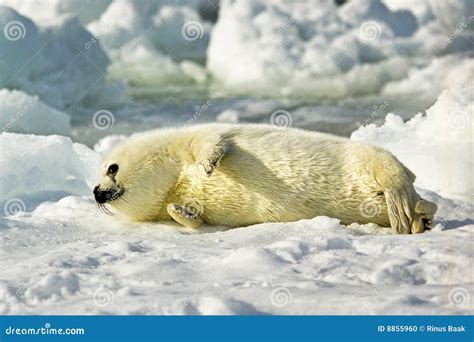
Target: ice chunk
x=316 y=50
x=436 y=146
x=106 y=144
x=23 y=113
x=47 y=11
x=18 y=42
x=34 y=169
x=158 y=49
x=63 y=64
x=53 y=287
x=173 y=30
x=179 y=31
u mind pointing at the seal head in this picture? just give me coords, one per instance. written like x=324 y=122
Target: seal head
x=110 y=190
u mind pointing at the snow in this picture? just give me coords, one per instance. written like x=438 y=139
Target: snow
x=103 y=146
x=138 y=60
x=36 y=168
x=23 y=113
x=71 y=260
x=60 y=62
x=281 y=48
x=429 y=81
x=321 y=64
x=151 y=36
x=310 y=51
x=436 y=146
x=159 y=22
x=51 y=10
x=60 y=255
x=178 y=35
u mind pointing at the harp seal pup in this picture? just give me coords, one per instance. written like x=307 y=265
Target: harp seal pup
x=239 y=175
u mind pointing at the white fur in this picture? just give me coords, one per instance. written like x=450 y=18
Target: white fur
x=266 y=174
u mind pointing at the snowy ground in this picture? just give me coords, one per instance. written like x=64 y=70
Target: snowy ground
x=66 y=257
x=364 y=70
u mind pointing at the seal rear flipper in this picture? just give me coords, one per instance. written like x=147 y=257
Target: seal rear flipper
x=184 y=215
x=400 y=211
x=396 y=182
x=427 y=210
x=408 y=213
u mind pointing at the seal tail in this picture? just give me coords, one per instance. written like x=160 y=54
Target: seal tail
x=407 y=212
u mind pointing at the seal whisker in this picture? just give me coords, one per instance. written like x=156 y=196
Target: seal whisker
x=100 y=208
x=97 y=206
x=106 y=210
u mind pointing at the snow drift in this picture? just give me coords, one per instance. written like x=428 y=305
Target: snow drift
x=308 y=51
x=59 y=255
x=61 y=63
x=23 y=113
x=156 y=44
x=317 y=50
x=34 y=169
x=436 y=146
x=51 y=10
x=82 y=262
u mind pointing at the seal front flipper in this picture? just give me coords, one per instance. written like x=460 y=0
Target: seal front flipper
x=210 y=154
x=187 y=215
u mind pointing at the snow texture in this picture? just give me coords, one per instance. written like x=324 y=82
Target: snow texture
x=60 y=255
x=292 y=49
x=61 y=63
x=40 y=168
x=23 y=113
x=436 y=146
x=317 y=50
x=64 y=257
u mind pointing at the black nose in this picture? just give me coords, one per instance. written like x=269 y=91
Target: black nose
x=101 y=196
